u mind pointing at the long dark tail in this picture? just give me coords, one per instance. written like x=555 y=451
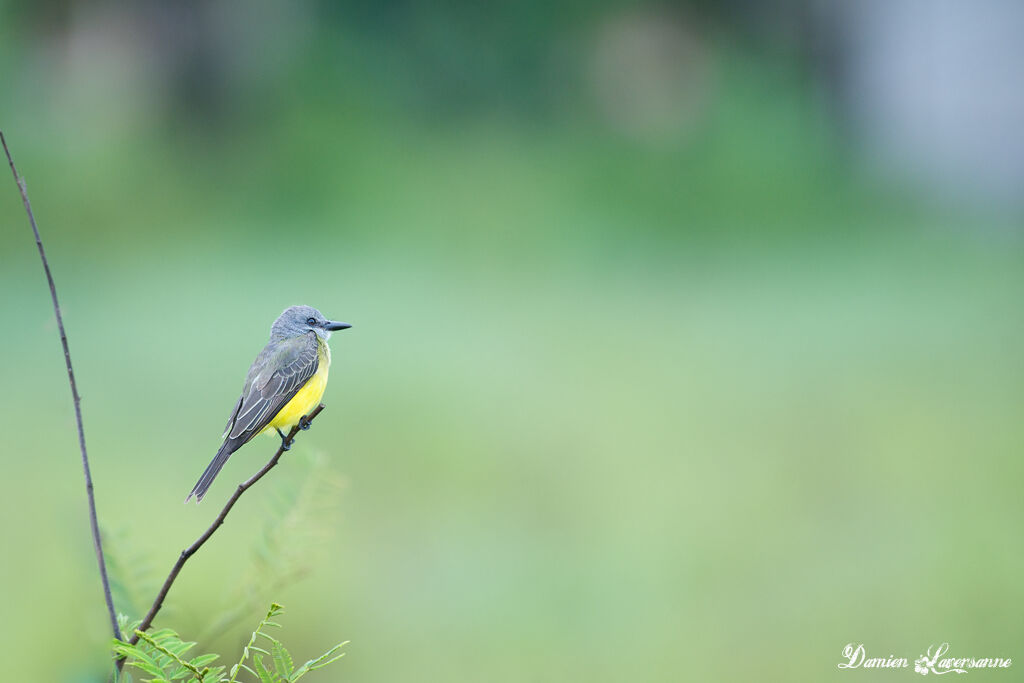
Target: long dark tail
x=203 y=485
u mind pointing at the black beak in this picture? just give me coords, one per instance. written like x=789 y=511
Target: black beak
x=333 y=326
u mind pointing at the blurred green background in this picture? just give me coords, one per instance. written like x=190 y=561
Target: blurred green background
x=657 y=372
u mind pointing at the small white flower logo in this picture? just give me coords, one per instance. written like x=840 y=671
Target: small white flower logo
x=926 y=662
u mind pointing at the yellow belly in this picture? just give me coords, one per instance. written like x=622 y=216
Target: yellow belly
x=308 y=397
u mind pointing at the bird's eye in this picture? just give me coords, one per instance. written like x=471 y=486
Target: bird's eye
x=311 y=321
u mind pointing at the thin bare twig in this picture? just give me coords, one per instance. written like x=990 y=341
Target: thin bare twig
x=192 y=549
x=96 y=542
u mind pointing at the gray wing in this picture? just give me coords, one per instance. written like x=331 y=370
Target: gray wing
x=234 y=414
x=281 y=369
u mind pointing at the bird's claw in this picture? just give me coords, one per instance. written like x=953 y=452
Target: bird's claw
x=305 y=423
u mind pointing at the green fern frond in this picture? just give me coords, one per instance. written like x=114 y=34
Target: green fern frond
x=161 y=655
x=275 y=609
x=320 y=662
x=172 y=647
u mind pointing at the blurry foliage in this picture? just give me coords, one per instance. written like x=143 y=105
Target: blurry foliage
x=407 y=115
x=294 y=537
x=297 y=529
x=132 y=573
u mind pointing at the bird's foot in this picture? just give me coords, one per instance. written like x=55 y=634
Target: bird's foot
x=286 y=443
x=305 y=423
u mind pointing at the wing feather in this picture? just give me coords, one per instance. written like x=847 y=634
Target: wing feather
x=234 y=416
x=281 y=369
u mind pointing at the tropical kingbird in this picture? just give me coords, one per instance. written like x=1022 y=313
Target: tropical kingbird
x=284 y=384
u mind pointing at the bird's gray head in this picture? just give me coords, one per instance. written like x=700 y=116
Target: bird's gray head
x=298 y=320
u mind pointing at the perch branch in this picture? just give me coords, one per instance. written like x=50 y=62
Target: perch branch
x=96 y=542
x=192 y=549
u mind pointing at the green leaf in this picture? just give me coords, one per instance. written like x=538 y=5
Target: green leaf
x=261 y=671
x=283 y=663
x=267 y=636
x=202 y=660
x=179 y=672
x=275 y=609
x=163 y=634
x=140 y=656
x=125 y=650
x=320 y=662
x=149 y=667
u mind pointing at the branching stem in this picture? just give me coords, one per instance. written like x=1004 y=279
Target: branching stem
x=188 y=552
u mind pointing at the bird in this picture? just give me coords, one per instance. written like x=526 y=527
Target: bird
x=285 y=382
